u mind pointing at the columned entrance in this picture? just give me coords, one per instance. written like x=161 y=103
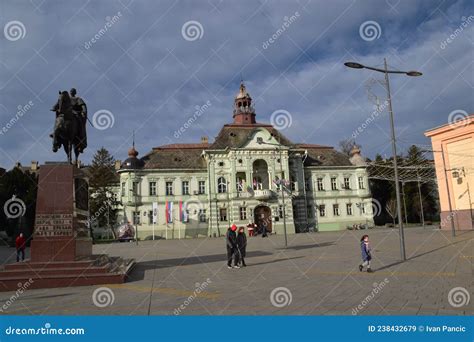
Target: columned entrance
x=263 y=217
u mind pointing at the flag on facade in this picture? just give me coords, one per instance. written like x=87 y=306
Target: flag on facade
x=155 y=212
x=169 y=212
x=183 y=214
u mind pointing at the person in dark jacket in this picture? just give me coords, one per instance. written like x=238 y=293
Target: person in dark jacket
x=231 y=244
x=241 y=246
x=264 y=229
x=20 y=244
x=366 y=253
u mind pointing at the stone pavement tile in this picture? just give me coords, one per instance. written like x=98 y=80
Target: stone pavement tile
x=330 y=282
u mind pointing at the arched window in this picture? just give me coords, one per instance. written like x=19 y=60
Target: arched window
x=221 y=185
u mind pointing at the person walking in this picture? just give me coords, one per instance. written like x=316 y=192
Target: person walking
x=251 y=228
x=231 y=244
x=241 y=246
x=20 y=244
x=366 y=253
x=264 y=229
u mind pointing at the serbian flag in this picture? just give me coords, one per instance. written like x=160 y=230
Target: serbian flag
x=169 y=212
x=183 y=215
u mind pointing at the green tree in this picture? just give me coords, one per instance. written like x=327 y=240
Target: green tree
x=22 y=186
x=102 y=177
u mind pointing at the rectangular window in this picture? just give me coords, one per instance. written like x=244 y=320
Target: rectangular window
x=280 y=211
x=362 y=208
x=152 y=188
x=361 y=182
x=136 y=188
x=202 y=215
x=223 y=214
x=202 y=187
x=243 y=213
x=349 y=208
x=123 y=189
x=169 y=188
x=335 y=209
x=185 y=187
x=150 y=217
x=320 y=184
x=322 y=210
x=347 y=184
x=136 y=217
x=333 y=183
x=293 y=184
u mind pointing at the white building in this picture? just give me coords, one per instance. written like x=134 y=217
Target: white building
x=190 y=190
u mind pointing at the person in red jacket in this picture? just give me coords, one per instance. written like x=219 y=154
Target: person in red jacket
x=20 y=244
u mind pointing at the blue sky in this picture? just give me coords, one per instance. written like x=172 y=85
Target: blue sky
x=148 y=76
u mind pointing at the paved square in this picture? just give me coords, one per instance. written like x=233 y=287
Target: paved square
x=316 y=275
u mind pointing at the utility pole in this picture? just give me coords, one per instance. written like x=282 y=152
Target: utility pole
x=421 y=200
x=453 y=228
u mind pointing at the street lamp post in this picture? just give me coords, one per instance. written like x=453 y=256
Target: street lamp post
x=453 y=228
x=135 y=215
x=385 y=71
x=283 y=198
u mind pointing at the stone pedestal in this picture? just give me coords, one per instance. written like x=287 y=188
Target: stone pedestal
x=61 y=249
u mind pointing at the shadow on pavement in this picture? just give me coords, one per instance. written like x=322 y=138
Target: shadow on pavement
x=420 y=255
x=138 y=272
x=297 y=248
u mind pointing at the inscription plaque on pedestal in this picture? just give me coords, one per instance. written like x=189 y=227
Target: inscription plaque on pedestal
x=60 y=232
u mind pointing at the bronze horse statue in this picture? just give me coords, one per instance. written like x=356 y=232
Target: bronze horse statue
x=66 y=128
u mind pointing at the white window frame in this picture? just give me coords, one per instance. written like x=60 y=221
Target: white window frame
x=169 y=188
x=320 y=183
x=322 y=210
x=202 y=187
x=221 y=185
x=360 y=180
x=152 y=186
x=243 y=213
x=349 y=209
x=185 y=187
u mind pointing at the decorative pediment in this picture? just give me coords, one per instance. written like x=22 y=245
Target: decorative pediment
x=262 y=139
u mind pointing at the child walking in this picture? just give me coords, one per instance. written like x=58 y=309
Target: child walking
x=366 y=253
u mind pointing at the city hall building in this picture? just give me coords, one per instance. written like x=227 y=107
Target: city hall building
x=250 y=173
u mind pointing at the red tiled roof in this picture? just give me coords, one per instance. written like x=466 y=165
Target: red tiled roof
x=182 y=146
x=313 y=146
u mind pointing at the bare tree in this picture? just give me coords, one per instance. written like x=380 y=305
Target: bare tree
x=346 y=145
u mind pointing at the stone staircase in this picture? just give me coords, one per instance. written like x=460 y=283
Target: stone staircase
x=97 y=269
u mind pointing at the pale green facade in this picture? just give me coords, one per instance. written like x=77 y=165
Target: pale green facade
x=235 y=180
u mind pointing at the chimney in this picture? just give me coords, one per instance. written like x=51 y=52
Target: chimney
x=204 y=140
x=118 y=163
x=34 y=166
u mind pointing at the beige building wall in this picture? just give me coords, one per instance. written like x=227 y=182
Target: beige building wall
x=456 y=140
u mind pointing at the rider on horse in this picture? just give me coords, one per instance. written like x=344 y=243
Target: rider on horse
x=70 y=124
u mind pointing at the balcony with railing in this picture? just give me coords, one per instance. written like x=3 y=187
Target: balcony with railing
x=263 y=194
